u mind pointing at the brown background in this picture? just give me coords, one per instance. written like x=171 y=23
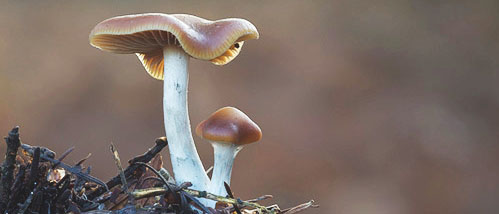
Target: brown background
x=366 y=106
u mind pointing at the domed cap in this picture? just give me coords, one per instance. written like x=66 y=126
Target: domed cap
x=230 y=125
x=146 y=34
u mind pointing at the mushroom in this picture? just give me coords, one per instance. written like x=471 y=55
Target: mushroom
x=164 y=43
x=228 y=130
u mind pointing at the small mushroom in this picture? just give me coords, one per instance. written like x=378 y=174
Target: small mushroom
x=164 y=43
x=228 y=130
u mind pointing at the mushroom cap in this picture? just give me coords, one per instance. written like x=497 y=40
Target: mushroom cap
x=229 y=125
x=219 y=41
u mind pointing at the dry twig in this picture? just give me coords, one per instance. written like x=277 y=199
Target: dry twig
x=8 y=166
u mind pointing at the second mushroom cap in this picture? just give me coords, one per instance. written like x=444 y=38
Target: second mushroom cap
x=229 y=125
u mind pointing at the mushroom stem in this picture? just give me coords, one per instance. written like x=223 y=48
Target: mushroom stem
x=224 y=153
x=187 y=165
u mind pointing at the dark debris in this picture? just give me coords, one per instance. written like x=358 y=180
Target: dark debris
x=34 y=181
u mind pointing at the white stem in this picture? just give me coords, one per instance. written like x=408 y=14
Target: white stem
x=187 y=165
x=224 y=153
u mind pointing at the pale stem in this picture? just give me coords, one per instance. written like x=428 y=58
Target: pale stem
x=224 y=153
x=187 y=165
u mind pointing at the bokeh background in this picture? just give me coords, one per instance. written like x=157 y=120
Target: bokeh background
x=366 y=106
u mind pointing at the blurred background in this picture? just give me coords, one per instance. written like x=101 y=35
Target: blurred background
x=366 y=106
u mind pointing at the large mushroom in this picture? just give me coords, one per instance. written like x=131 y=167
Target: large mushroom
x=228 y=130
x=164 y=43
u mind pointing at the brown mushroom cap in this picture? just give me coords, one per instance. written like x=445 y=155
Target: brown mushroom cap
x=146 y=34
x=230 y=125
